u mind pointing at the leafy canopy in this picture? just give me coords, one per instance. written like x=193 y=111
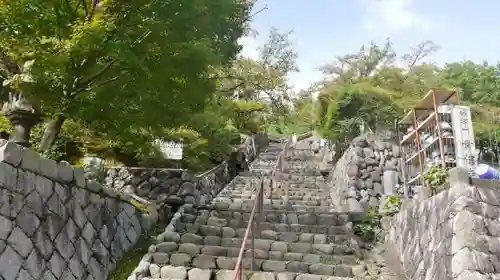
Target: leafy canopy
x=130 y=69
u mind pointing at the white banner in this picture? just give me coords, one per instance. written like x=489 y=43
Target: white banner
x=463 y=132
x=170 y=149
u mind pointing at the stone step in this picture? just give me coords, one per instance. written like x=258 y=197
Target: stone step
x=300 y=166
x=276 y=203
x=301 y=187
x=250 y=186
x=297 y=209
x=305 y=232
x=228 y=263
x=217 y=262
x=260 y=171
x=304 y=229
x=277 y=251
x=292 y=191
x=299 y=179
x=182 y=273
x=304 y=171
x=292 y=187
x=275 y=198
x=239 y=218
x=271 y=235
x=279 y=184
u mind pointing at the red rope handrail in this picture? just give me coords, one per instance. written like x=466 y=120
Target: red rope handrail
x=257 y=206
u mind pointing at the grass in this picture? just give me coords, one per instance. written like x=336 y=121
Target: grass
x=133 y=256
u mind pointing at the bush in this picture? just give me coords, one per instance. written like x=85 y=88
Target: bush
x=67 y=147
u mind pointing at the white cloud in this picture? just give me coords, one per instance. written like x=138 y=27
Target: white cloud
x=393 y=16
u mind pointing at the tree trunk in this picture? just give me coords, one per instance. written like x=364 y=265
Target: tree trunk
x=51 y=132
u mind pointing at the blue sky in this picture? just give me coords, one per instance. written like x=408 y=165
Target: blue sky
x=324 y=29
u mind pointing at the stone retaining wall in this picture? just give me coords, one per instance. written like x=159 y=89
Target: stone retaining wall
x=369 y=170
x=178 y=186
x=452 y=235
x=173 y=186
x=56 y=225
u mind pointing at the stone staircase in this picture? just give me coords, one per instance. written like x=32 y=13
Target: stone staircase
x=300 y=236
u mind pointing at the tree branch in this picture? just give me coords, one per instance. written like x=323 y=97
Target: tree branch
x=58 y=21
x=10 y=66
x=257 y=12
x=79 y=87
x=90 y=87
x=85 y=8
x=96 y=76
x=92 y=9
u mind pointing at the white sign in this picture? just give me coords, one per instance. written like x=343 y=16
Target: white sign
x=170 y=149
x=463 y=132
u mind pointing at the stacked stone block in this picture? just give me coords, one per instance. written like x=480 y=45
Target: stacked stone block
x=174 y=186
x=367 y=172
x=178 y=186
x=56 y=225
x=452 y=235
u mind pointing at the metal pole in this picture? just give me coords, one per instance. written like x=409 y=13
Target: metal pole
x=253 y=245
x=261 y=209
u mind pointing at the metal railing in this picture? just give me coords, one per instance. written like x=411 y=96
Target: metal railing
x=258 y=207
x=253 y=225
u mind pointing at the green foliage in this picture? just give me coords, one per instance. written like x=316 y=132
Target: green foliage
x=299 y=119
x=368 y=89
x=128 y=70
x=139 y=206
x=392 y=205
x=258 y=89
x=369 y=228
x=479 y=83
x=345 y=108
x=67 y=147
x=5 y=125
x=436 y=176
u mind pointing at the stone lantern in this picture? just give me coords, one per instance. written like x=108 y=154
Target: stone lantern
x=23 y=115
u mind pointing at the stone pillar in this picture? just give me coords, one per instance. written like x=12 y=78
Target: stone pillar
x=23 y=115
x=390 y=181
x=22 y=123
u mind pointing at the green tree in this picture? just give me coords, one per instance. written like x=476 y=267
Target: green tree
x=369 y=87
x=477 y=82
x=479 y=87
x=249 y=92
x=368 y=91
x=130 y=69
x=257 y=90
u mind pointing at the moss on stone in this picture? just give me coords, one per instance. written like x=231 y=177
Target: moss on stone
x=139 y=206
